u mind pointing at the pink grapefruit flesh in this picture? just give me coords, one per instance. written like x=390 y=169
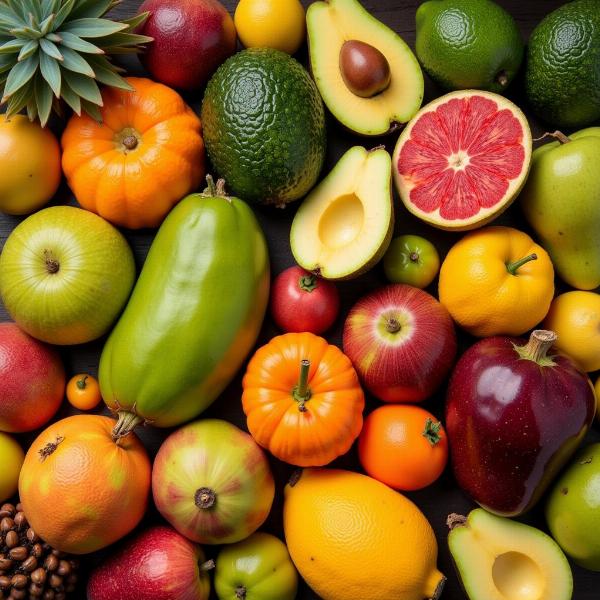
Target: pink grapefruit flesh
x=463 y=159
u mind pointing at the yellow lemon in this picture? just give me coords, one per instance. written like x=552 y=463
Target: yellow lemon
x=11 y=459
x=278 y=24
x=353 y=538
x=575 y=317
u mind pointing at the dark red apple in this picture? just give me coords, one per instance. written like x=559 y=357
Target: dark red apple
x=32 y=380
x=401 y=341
x=191 y=39
x=514 y=416
x=156 y=564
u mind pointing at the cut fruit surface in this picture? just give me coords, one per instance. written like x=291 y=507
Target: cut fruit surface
x=333 y=24
x=344 y=225
x=463 y=159
x=500 y=559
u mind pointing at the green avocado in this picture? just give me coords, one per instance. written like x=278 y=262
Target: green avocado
x=264 y=126
x=562 y=76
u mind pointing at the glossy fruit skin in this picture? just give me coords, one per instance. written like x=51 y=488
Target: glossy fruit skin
x=483 y=296
x=144 y=158
x=367 y=561
x=513 y=423
x=82 y=299
x=216 y=458
x=191 y=39
x=30 y=165
x=88 y=491
x=575 y=316
x=11 y=458
x=572 y=508
x=300 y=301
x=279 y=24
x=562 y=80
x=393 y=449
x=411 y=259
x=157 y=564
x=205 y=284
x=33 y=381
x=306 y=433
x=404 y=365
x=259 y=567
x=468 y=44
x=83 y=392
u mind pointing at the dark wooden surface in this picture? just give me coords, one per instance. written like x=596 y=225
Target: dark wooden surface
x=439 y=499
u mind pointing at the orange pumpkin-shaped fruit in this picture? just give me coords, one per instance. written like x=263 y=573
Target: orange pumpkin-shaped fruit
x=145 y=155
x=303 y=399
x=81 y=489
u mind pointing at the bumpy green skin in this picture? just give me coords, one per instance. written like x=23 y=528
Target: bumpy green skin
x=194 y=314
x=264 y=126
x=562 y=76
x=572 y=510
x=468 y=44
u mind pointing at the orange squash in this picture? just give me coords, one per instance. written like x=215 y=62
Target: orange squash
x=145 y=155
x=82 y=490
x=302 y=399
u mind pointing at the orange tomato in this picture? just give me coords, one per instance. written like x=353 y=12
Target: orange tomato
x=83 y=391
x=403 y=446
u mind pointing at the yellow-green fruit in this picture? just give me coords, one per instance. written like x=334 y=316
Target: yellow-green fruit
x=11 y=459
x=353 y=538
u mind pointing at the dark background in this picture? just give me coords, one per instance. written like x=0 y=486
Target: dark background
x=443 y=497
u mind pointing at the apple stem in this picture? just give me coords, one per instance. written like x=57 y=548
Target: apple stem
x=208 y=565
x=536 y=349
x=502 y=78
x=126 y=423
x=240 y=592
x=557 y=135
x=308 y=283
x=432 y=431
x=205 y=498
x=81 y=383
x=301 y=392
x=514 y=266
x=393 y=325
x=455 y=520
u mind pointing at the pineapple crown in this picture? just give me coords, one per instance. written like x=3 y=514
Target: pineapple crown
x=53 y=49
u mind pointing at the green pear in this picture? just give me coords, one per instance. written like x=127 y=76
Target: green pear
x=561 y=201
x=573 y=509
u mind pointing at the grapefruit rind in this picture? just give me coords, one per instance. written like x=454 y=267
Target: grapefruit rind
x=438 y=175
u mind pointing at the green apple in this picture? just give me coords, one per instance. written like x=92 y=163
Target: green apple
x=573 y=509
x=411 y=259
x=561 y=201
x=11 y=459
x=65 y=275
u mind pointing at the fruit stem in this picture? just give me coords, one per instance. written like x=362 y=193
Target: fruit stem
x=393 y=325
x=455 y=520
x=126 y=423
x=208 y=565
x=301 y=392
x=432 y=431
x=240 y=592
x=307 y=283
x=502 y=78
x=130 y=142
x=514 y=266
x=52 y=265
x=536 y=349
x=205 y=498
x=216 y=190
x=81 y=383
x=557 y=135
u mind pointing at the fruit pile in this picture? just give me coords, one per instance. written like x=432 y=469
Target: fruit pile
x=415 y=344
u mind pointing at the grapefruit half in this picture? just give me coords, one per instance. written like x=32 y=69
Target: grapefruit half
x=463 y=159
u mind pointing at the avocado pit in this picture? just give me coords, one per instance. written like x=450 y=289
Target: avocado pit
x=365 y=70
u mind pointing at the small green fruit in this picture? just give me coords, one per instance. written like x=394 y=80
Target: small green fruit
x=411 y=259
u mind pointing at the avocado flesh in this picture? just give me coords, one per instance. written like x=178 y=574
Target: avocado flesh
x=500 y=559
x=332 y=23
x=344 y=225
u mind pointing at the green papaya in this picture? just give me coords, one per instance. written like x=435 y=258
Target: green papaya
x=193 y=316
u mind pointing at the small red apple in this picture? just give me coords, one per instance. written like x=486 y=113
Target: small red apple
x=156 y=564
x=191 y=39
x=33 y=381
x=401 y=341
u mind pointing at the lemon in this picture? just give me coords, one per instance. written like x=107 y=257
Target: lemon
x=353 y=538
x=278 y=24
x=11 y=459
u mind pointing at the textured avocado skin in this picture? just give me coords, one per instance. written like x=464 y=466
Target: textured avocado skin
x=264 y=126
x=562 y=78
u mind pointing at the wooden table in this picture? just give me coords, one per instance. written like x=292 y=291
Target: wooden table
x=443 y=497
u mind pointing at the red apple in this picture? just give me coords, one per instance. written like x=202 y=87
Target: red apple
x=156 y=564
x=515 y=413
x=33 y=381
x=191 y=39
x=401 y=341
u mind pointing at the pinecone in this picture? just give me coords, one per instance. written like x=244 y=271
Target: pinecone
x=30 y=568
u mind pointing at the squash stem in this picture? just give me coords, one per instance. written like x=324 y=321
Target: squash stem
x=301 y=392
x=514 y=266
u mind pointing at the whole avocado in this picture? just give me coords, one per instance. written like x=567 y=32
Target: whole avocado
x=264 y=126
x=562 y=76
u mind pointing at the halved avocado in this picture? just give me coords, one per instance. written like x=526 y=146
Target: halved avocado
x=340 y=30
x=344 y=226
